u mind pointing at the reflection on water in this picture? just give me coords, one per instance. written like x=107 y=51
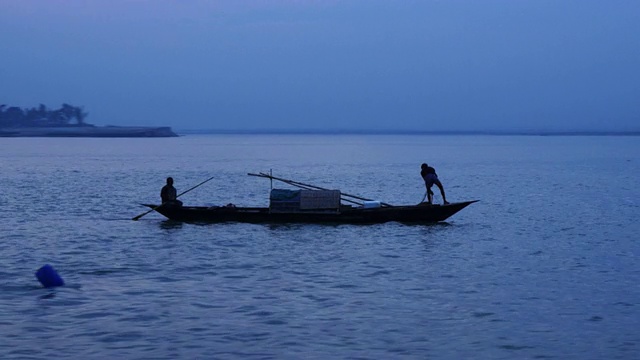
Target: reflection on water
x=49 y=295
x=171 y=225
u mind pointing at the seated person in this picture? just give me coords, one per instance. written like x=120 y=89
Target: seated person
x=169 y=195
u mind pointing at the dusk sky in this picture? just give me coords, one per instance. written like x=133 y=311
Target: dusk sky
x=328 y=64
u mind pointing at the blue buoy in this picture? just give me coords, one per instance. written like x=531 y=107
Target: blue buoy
x=48 y=277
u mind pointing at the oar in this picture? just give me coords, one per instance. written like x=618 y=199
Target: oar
x=309 y=187
x=292 y=182
x=297 y=183
x=177 y=196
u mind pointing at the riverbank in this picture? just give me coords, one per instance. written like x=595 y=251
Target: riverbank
x=90 y=131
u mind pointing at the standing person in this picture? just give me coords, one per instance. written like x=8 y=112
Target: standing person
x=430 y=177
x=169 y=194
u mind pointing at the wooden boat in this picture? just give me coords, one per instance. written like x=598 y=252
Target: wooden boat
x=347 y=214
x=311 y=204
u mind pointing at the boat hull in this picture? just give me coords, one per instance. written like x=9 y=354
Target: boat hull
x=422 y=213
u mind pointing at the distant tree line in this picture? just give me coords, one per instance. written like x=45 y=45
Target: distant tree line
x=41 y=116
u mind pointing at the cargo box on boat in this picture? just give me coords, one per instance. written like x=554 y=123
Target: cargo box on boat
x=282 y=200
x=320 y=200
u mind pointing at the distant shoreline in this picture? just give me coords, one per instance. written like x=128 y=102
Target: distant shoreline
x=165 y=131
x=90 y=131
x=407 y=132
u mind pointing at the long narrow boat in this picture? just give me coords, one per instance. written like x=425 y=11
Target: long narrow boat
x=310 y=204
x=346 y=214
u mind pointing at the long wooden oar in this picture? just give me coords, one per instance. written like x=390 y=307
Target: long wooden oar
x=309 y=187
x=297 y=183
x=177 y=196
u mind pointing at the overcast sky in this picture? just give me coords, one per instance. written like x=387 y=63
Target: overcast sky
x=328 y=64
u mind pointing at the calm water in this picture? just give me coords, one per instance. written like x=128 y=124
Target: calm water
x=546 y=265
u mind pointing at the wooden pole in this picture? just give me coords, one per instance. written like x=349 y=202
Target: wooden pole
x=299 y=184
x=311 y=187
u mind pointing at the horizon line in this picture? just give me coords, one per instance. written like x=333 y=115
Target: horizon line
x=410 y=132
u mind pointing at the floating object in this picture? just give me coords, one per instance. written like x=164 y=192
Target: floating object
x=312 y=204
x=371 y=204
x=48 y=277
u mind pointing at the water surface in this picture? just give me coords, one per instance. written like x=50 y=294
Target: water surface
x=544 y=266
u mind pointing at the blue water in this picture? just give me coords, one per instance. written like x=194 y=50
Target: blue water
x=544 y=266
